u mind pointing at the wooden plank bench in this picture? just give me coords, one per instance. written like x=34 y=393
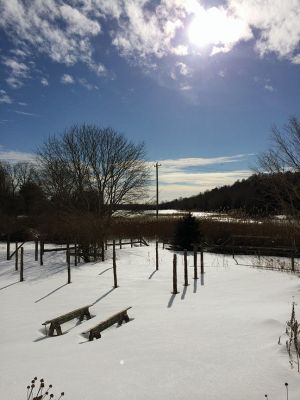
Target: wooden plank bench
x=116 y=318
x=56 y=322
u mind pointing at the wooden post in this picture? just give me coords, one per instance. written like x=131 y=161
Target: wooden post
x=195 y=263
x=131 y=244
x=41 y=252
x=95 y=252
x=202 y=262
x=36 y=250
x=8 y=248
x=105 y=244
x=156 y=255
x=186 y=281
x=102 y=252
x=293 y=263
x=69 y=266
x=175 y=291
x=22 y=265
x=140 y=241
x=120 y=243
x=68 y=250
x=115 y=265
x=17 y=257
x=75 y=254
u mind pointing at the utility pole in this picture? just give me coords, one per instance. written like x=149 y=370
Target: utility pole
x=156 y=166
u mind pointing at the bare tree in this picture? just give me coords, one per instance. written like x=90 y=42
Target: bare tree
x=282 y=164
x=94 y=169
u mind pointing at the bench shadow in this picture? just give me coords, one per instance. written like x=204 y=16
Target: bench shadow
x=4 y=287
x=172 y=298
x=107 y=269
x=184 y=292
x=195 y=285
x=102 y=297
x=152 y=273
x=49 y=294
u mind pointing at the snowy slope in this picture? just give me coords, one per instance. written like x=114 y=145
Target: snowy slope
x=217 y=339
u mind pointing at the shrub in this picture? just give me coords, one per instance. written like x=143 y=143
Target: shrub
x=187 y=232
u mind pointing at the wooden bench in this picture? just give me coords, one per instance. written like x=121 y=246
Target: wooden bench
x=56 y=322
x=116 y=318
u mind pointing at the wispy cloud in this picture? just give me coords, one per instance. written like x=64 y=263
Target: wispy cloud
x=4 y=97
x=28 y=114
x=145 y=32
x=269 y=88
x=18 y=72
x=187 y=176
x=183 y=184
x=16 y=156
x=44 y=82
x=67 y=79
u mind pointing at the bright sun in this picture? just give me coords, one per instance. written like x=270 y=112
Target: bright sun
x=214 y=26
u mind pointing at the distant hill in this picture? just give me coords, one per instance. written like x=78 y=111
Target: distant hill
x=254 y=195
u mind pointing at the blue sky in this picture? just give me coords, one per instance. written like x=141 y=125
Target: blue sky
x=200 y=82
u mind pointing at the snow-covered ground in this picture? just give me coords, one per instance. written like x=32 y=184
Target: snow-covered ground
x=215 y=340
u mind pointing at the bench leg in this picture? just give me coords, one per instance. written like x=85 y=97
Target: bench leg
x=93 y=335
x=51 y=330
x=58 y=330
x=85 y=314
x=120 y=321
x=126 y=318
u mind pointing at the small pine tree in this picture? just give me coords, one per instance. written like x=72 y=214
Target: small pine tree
x=187 y=232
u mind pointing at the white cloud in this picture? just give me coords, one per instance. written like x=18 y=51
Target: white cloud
x=4 y=97
x=222 y=73
x=28 y=114
x=16 y=156
x=184 y=184
x=187 y=176
x=44 y=82
x=277 y=21
x=144 y=31
x=18 y=71
x=67 y=79
x=269 y=88
x=21 y=103
x=83 y=82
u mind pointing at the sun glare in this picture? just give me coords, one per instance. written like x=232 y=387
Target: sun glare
x=214 y=26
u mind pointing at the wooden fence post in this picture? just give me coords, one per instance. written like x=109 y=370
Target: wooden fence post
x=293 y=263
x=69 y=265
x=140 y=241
x=115 y=265
x=195 y=263
x=36 y=250
x=75 y=254
x=175 y=291
x=8 y=247
x=131 y=244
x=68 y=250
x=95 y=252
x=22 y=265
x=17 y=257
x=156 y=255
x=186 y=281
x=41 y=252
x=202 y=262
x=102 y=252
x=120 y=243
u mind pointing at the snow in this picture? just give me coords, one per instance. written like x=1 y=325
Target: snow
x=217 y=339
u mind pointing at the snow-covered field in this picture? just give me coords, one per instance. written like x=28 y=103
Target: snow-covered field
x=216 y=340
